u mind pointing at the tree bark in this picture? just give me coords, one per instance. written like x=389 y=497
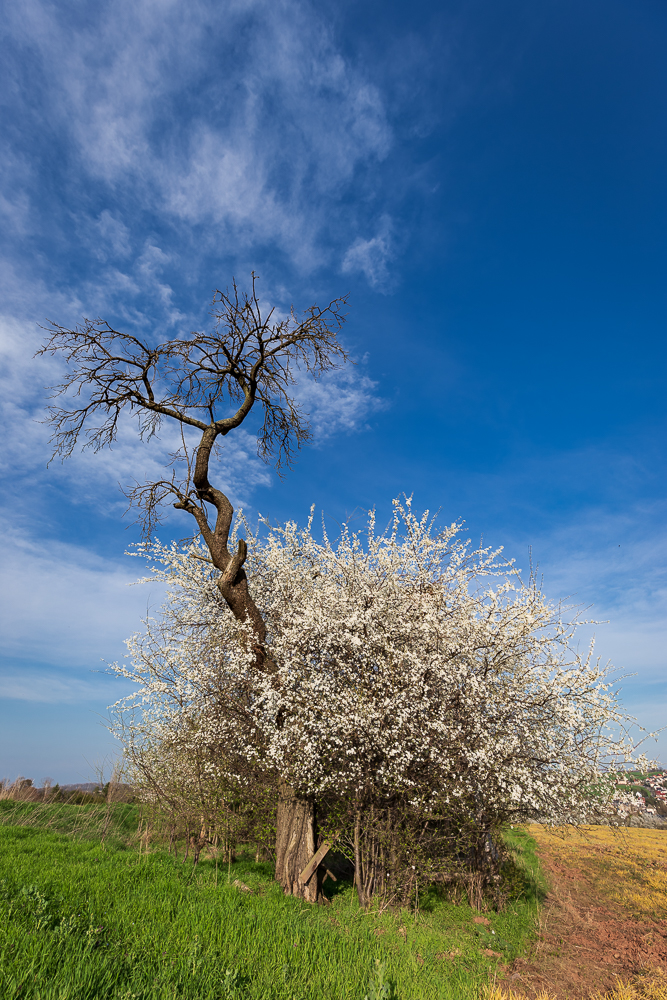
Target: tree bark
x=296 y=845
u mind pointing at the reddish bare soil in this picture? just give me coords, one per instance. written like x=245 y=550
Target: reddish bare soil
x=586 y=942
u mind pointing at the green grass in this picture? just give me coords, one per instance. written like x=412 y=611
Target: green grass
x=82 y=922
x=118 y=820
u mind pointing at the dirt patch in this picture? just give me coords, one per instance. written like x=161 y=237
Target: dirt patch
x=591 y=935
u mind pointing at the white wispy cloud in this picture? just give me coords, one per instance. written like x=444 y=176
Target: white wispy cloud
x=615 y=563
x=340 y=401
x=243 y=117
x=63 y=604
x=371 y=257
x=110 y=236
x=56 y=687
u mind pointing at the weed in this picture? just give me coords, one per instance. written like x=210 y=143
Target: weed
x=232 y=984
x=380 y=988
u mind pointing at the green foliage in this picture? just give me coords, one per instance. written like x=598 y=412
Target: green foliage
x=232 y=984
x=79 y=922
x=521 y=874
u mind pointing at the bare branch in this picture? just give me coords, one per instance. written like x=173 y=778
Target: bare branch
x=206 y=381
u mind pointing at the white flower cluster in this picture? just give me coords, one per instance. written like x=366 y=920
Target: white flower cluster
x=404 y=662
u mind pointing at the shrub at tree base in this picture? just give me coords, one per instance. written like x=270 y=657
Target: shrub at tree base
x=416 y=694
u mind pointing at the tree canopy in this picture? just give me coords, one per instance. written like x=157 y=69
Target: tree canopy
x=408 y=668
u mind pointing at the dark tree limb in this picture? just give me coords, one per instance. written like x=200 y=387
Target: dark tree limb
x=207 y=383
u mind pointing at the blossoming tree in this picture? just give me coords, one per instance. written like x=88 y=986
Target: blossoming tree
x=404 y=666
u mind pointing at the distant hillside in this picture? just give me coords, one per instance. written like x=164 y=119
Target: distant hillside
x=83 y=786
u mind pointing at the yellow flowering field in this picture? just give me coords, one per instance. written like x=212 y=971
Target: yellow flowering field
x=604 y=925
x=627 y=865
x=650 y=987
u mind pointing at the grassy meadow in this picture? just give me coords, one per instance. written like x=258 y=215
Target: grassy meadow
x=82 y=920
x=626 y=864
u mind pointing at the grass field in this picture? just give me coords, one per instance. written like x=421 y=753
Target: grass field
x=117 y=822
x=608 y=901
x=79 y=921
x=626 y=864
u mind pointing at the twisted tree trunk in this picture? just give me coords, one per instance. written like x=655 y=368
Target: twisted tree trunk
x=296 y=822
x=251 y=358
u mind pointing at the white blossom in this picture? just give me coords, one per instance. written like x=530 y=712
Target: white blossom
x=404 y=662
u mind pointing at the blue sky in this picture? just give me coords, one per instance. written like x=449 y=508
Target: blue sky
x=486 y=179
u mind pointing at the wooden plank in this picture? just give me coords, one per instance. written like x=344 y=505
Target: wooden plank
x=316 y=858
x=314 y=862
